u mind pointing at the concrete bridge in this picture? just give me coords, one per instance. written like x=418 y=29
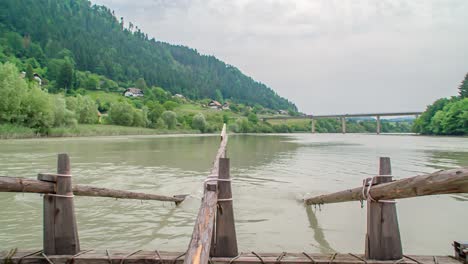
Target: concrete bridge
x=343 y=117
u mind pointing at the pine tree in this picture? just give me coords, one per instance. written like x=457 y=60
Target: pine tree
x=65 y=76
x=463 y=88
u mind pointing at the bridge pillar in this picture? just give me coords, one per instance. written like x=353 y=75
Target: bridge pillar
x=378 y=125
x=343 y=125
x=313 y=125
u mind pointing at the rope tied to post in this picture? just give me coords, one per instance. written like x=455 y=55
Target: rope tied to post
x=213 y=178
x=366 y=188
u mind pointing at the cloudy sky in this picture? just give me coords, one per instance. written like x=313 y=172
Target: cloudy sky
x=327 y=56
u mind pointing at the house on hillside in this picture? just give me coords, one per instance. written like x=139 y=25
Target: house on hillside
x=283 y=112
x=225 y=106
x=215 y=105
x=179 y=96
x=133 y=92
x=37 y=77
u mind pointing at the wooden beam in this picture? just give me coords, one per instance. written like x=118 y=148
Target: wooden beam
x=25 y=185
x=162 y=257
x=440 y=182
x=198 y=251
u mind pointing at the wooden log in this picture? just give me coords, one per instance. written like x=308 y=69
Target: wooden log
x=66 y=229
x=17 y=184
x=198 y=251
x=224 y=240
x=162 y=257
x=383 y=234
x=440 y=182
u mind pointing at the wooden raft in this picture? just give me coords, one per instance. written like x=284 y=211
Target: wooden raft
x=162 y=257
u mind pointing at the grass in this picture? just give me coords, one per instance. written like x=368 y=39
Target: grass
x=11 y=132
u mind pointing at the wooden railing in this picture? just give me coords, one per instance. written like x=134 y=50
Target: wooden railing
x=214 y=234
x=207 y=230
x=60 y=232
x=382 y=240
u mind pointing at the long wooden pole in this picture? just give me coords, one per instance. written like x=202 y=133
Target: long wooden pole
x=16 y=184
x=440 y=182
x=198 y=251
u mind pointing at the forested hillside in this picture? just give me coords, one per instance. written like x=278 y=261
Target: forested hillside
x=74 y=44
x=446 y=116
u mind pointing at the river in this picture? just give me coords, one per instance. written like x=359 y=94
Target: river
x=271 y=174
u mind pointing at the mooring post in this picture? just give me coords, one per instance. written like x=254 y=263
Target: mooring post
x=313 y=125
x=224 y=238
x=383 y=235
x=60 y=229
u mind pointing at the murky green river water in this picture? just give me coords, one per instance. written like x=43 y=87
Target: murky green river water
x=271 y=174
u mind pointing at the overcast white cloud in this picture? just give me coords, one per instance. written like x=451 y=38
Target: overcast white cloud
x=327 y=56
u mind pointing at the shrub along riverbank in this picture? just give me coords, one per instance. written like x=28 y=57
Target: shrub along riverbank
x=8 y=131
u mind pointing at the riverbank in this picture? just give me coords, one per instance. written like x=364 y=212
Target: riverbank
x=8 y=131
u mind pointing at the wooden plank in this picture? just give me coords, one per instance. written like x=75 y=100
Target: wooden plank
x=66 y=229
x=383 y=235
x=440 y=182
x=225 y=240
x=25 y=185
x=150 y=257
x=198 y=251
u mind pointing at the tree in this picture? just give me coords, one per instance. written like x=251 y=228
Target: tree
x=13 y=91
x=170 y=105
x=29 y=73
x=155 y=112
x=463 y=88
x=141 y=84
x=86 y=112
x=121 y=113
x=65 y=77
x=170 y=118
x=199 y=122
x=218 y=96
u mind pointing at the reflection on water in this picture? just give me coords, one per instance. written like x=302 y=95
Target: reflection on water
x=271 y=174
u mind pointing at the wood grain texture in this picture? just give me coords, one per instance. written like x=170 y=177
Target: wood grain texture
x=66 y=229
x=440 y=182
x=198 y=251
x=383 y=235
x=224 y=240
x=17 y=184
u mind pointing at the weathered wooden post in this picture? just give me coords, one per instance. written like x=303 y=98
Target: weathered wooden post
x=383 y=235
x=60 y=229
x=224 y=238
x=313 y=125
x=378 y=125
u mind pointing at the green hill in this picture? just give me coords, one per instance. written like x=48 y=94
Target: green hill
x=74 y=44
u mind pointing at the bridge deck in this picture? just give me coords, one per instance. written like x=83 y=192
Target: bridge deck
x=344 y=115
x=147 y=257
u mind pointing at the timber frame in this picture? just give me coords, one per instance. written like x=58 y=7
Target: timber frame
x=214 y=236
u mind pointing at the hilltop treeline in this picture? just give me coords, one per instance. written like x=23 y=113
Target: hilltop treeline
x=446 y=116
x=72 y=44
